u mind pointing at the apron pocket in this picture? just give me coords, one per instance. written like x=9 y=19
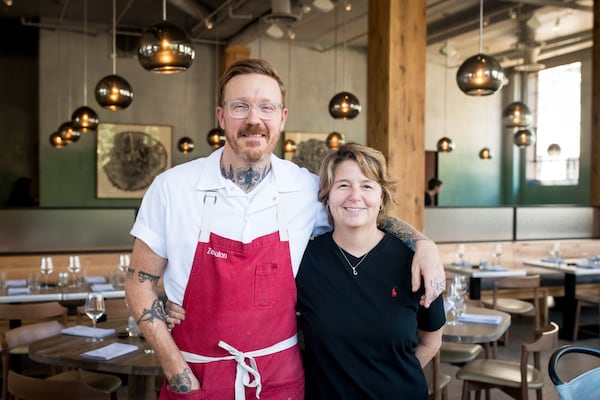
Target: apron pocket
x=264 y=285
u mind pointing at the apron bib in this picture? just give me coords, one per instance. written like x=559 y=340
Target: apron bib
x=239 y=335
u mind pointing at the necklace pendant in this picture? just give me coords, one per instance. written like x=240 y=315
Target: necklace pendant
x=354 y=272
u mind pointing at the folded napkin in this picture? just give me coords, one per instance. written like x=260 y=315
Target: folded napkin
x=110 y=351
x=18 y=290
x=586 y=265
x=87 y=331
x=462 y=264
x=94 y=279
x=493 y=268
x=553 y=260
x=102 y=287
x=481 y=318
x=15 y=283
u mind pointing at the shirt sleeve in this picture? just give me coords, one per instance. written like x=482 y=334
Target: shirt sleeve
x=432 y=318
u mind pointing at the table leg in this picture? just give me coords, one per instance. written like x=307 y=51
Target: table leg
x=475 y=288
x=141 y=387
x=566 y=331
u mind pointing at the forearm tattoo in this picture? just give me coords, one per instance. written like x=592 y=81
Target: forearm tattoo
x=144 y=276
x=245 y=178
x=155 y=312
x=181 y=383
x=403 y=231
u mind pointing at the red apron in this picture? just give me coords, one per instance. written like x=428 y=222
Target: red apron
x=239 y=334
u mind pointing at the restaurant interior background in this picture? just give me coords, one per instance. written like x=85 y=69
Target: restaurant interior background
x=43 y=75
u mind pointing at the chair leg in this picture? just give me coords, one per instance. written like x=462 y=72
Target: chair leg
x=466 y=395
x=576 y=323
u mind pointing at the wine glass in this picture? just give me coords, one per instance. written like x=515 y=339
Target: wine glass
x=74 y=268
x=124 y=262
x=460 y=253
x=555 y=252
x=94 y=308
x=46 y=268
x=496 y=253
x=456 y=304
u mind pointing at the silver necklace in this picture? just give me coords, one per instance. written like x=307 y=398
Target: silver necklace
x=354 y=267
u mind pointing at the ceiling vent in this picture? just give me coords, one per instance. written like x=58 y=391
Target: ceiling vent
x=281 y=13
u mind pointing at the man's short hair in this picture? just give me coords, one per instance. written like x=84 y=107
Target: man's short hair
x=433 y=183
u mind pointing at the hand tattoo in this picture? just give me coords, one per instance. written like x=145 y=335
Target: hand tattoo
x=181 y=383
x=155 y=312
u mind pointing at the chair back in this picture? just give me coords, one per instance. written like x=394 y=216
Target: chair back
x=436 y=381
x=531 y=282
x=546 y=339
x=33 y=311
x=21 y=336
x=21 y=387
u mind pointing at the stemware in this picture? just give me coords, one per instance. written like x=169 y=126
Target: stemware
x=74 y=268
x=496 y=253
x=456 y=304
x=94 y=309
x=460 y=253
x=124 y=262
x=46 y=268
x=555 y=252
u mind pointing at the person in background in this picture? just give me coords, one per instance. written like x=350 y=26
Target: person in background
x=365 y=334
x=21 y=195
x=225 y=235
x=434 y=187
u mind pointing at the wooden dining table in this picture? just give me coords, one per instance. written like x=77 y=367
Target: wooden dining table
x=474 y=332
x=477 y=274
x=141 y=367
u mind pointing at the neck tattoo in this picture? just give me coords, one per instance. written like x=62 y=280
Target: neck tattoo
x=354 y=267
x=246 y=178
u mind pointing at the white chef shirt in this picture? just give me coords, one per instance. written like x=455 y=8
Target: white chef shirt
x=170 y=215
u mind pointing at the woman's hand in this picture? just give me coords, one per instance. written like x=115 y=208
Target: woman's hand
x=175 y=314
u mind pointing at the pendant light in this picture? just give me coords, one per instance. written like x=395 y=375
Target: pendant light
x=114 y=92
x=165 y=48
x=445 y=144
x=343 y=105
x=185 y=145
x=517 y=115
x=335 y=140
x=289 y=146
x=523 y=138
x=68 y=133
x=216 y=137
x=84 y=118
x=56 y=141
x=480 y=75
x=554 y=150
x=486 y=154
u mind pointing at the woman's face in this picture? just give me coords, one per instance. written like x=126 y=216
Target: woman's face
x=354 y=200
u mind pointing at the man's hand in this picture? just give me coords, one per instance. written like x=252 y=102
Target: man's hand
x=427 y=262
x=175 y=314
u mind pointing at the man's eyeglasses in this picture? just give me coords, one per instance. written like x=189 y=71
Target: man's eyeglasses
x=241 y=109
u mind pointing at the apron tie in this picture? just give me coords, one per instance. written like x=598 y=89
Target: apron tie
x=243 y=370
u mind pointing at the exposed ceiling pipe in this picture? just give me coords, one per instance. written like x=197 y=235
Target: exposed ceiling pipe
x=191 y=8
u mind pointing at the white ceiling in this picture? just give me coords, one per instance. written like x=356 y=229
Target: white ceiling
x=536 y=28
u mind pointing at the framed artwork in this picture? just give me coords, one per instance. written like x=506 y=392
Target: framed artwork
x=309 y=148
x=128 y=157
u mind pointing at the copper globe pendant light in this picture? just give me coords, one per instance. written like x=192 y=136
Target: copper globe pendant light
x=485 y=154
x=165 y=48
x=56 y=141
x=216 y=137
x=84 y=118
x=185 y=145
x=523 y=138
x=335 y=140
x=114 y=92
x=68 y=133
x=480 y=75
x=554 y=150
x=517 y=115
x=343 y=105
x=445 y=145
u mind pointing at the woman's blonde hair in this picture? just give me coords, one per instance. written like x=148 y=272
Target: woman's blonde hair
x=372 y=164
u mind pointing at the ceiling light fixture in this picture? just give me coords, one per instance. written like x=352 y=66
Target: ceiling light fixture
x=216 y=137
x=554 y=150
x=523 y=138
x=517 y=115
x=445 y=144
x=480 y=75
x=485 y=154
x=344 y=105
x=84 y=118
x=185 y=145
x=56 y=141
x=335 y=140
x=165 y=48
x=114 y=92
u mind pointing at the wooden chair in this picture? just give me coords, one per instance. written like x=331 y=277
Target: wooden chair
x=21 y=387
x=529 y=287
x=36 y=312
x=458 y=354
x=513 y=378
x=584 y=299
x=437 y=383
x=26 y=334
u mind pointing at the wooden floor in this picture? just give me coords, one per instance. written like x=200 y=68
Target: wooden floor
x=520 y=332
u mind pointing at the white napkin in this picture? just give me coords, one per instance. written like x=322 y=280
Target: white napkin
x=102 y=287
x=18 y=290
x=462 y=264
x=110 y=351
x=87 y=331
x=15 y=283
x=493 y=268
x=94 y=279
x=553 y=260
x=586 y=265
x=481 y=318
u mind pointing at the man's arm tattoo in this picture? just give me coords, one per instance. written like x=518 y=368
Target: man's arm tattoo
x=403 y=231
x=155 y=312
x=144 y=276
x=181 y=383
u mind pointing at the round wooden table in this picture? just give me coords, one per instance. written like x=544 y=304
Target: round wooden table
x=471 y=332
x=142 y=366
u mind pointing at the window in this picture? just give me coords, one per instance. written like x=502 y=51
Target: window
x=555 y=158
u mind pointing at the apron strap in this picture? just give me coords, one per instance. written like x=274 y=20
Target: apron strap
x=210 y=199
x=243 y=370
x=283 y=231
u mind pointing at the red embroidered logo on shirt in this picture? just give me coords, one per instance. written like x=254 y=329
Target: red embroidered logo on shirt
x=394 y=291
